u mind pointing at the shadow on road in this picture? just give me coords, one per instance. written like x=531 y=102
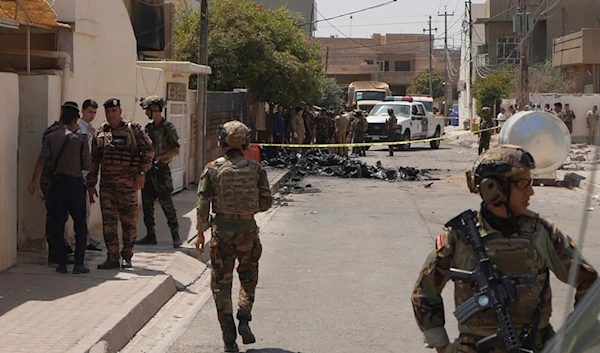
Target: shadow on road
x=269 y=350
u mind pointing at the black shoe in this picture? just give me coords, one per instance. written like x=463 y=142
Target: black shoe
x=177 y=243
x=62 y=269
x=231 y=347
x=109 y=264
x=70 y=259
x=148 y=240
x=127 y=263
x=70 y=250
x=246 y=333
x=80 y=269
x=93 y=248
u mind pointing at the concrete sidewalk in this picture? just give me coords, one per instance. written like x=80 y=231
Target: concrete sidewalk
x=44 y=312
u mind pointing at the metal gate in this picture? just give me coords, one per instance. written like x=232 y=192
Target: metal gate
x=177 y=113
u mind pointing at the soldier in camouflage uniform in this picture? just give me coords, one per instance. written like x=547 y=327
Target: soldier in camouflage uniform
x=322 y=127
x=125 y=153
x=485 y=136
x=522 y=244
x=159 y=183
x=237 y=188
x=390 y=129
x=358 y=130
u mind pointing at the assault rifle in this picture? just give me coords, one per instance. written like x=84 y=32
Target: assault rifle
x=495 y=289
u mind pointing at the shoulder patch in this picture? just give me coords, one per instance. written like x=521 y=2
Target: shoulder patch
x=440 y=241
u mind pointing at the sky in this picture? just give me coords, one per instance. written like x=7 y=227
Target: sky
x=402 y=16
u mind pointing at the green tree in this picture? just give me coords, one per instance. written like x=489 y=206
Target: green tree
x=330 y=93
x=186 y=36
x=420 y=84
x=497 y=85
x=545 y=78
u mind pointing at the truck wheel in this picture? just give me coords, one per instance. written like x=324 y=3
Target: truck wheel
x=436 y=143
x=405 y=137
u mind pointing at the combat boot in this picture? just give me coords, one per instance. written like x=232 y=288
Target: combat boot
x=229 y=337
x=150 y=239
x=109 y=264
x=176 y=240
x=244 y=327
x=127 y=263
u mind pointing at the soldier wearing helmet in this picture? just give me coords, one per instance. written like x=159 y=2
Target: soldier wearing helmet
x=523 y=245
x=159 y=183
x=485 y=136
x=237 y=188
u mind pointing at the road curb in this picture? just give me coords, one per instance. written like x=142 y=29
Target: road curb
x=120 y=327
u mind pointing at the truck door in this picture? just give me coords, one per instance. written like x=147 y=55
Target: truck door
x=416 y=122
x=424 y=121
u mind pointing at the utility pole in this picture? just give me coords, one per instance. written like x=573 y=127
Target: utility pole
x=202 y=87
x=470 y=75
x=326 y=60
x=446 y=15
x=430 y=56
x=524 y=54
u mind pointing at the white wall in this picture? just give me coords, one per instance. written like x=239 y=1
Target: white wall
x=33 y=120
x=9 y=114
x=579 y=104
x=103 y=50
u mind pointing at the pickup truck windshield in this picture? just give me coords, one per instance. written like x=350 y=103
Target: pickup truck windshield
x=399 y=110
x=370 y=96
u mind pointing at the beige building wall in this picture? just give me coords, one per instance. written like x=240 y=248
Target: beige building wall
x=375 y=58
x=33 y=120
x=9 y=112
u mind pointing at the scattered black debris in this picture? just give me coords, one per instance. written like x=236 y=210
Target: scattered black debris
x=293 y=188
x=281 y=201
x=428 y=185
x=323 y=162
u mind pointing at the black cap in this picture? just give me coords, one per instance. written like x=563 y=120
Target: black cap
x=111 y=103
x=71 y=105
x=558 y=104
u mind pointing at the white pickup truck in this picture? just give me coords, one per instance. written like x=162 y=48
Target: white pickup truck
x=413 y=124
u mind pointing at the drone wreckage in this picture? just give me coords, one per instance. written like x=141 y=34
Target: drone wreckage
x=323 y=162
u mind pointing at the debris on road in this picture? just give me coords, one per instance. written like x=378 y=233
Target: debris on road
x=323 y=162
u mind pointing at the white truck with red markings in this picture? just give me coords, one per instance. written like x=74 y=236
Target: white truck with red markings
x=413 y=123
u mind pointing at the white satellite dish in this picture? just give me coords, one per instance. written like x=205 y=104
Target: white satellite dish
x=543 y=135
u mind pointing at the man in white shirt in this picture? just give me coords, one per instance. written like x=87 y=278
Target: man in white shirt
x=501 y=118
x=592 y=124
x=88 y=114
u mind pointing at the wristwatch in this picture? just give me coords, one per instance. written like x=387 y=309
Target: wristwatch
x=142 y=173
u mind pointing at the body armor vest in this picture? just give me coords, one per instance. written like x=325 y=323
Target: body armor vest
x=118 y=148
x=517 y=257
x=236 y=187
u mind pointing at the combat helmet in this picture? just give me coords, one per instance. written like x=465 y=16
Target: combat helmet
x=152 y=100
x=234 y=135
x=495 y=166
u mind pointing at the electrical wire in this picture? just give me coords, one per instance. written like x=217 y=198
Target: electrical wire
x=346 y=14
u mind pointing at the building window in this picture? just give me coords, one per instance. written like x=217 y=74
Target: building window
x=369 y=62
x=508 y=50
x=402 y=66
x=384 y=65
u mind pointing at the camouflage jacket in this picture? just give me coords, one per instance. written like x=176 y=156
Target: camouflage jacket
x=130 y=164
x=537 y=247
x=207 y=191
x=164 y=138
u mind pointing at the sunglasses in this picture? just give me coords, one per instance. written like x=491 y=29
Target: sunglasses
x=522 y=183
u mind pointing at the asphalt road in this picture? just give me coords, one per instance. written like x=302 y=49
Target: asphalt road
x=338 y=266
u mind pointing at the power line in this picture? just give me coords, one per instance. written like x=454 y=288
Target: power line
x=347 y=14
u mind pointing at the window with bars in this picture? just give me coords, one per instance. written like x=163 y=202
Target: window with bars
x=402 y=66
x=508 y=50
x=384 y=65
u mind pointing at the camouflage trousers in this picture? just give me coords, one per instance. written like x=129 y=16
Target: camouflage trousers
x=231 y=240
x=484 y=141
x=159 y=186
x=118 y=202
x=467 y=343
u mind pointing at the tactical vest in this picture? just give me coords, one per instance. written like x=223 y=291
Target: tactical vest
x=517 y=257
x=118 y=148
x=236 y=186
